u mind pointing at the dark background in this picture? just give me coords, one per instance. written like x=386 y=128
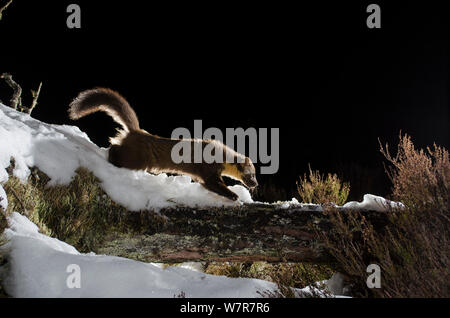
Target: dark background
x=315 y=71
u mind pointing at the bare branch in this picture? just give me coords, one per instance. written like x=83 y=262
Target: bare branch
x=17 y=198
x=16 y=100
x=35 y=94
x=4 y=8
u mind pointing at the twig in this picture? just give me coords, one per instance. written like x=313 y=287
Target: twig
x=4 y=8
x=35 y=94
x=16 y=100
x=17 y=198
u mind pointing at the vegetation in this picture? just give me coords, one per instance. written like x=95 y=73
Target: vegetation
x=16 y=98
x=287 y=276
x=412 y=250
x=421 y=178
x=322 y=190
x=80 y=213
x=4 y=7
x=411 y=247
x=3 y=223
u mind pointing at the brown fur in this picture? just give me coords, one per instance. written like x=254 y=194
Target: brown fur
x=136 y=149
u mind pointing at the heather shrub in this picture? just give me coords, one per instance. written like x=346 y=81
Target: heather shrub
x=412 y=248
x=420 y=178
x=322 y=190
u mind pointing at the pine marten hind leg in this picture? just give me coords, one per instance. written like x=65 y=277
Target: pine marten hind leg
x=216 y=185
x=115 y=156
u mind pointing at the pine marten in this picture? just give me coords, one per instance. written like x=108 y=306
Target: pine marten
x=135 y=148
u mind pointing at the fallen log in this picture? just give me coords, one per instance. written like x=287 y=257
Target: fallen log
x=251 y=232
x=85 y=217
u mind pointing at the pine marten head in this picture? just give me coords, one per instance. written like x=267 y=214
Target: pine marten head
x=244 y=172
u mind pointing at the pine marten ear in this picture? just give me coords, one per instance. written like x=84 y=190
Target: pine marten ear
x=243 y=165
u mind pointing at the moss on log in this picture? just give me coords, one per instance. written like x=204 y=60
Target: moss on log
x=252 y=232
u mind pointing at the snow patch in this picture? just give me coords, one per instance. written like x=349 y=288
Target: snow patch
x=58 y=150
x=370 y=202
x=38 y=264
x=38 y=267
x=374 y=203
x=3 y=199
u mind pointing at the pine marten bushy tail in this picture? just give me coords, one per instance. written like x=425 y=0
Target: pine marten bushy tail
x=135 y=148
x=108 y=101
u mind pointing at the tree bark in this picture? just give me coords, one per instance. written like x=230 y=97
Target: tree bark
x=252 y=232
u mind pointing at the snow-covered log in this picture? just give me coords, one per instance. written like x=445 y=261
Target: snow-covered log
x=195 y=225
x=252 y=232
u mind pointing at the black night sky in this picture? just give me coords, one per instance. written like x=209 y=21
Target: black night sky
x=315 y=71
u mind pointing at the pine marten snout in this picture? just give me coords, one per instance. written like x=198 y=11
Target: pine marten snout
x=135 y=148
x=246 y=173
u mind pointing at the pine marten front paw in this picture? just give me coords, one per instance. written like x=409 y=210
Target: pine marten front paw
x=233 y=196
x=216 y=185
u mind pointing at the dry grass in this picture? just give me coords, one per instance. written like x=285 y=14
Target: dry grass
x=80 y=213
x=287 y=276
x=322 y=190
x=291 y=277
x=3 y=222
x=412 y=249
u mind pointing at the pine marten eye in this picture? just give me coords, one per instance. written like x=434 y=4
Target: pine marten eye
x=249 y=179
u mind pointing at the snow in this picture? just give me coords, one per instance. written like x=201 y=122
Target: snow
x=374 y=203
x=295 y=204
x=41 y=266
x=193 y=266
x=38 y=264
x=58 y=150
x=3 y=199
x=38 y=268
x=370 y=202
